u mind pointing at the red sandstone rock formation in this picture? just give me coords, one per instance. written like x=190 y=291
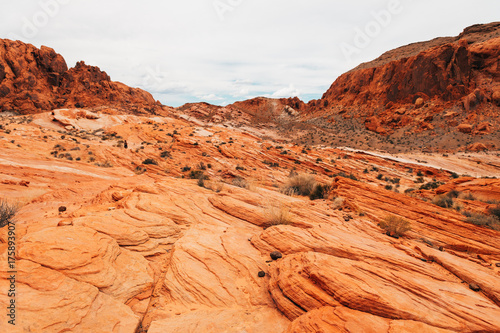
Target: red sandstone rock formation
x=422 y=78
x=35 y=80
x=143 y=243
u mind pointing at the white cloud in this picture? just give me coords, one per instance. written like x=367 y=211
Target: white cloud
x=211 y=97
x=180 y=50
x=289 y=91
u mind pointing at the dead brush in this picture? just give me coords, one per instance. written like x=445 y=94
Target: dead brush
x=301 y=184
x=395 y=226
x=276 y=212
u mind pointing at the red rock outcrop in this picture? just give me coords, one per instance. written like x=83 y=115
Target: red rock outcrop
x=428 y=77
x=34 y=80
x=143 y=244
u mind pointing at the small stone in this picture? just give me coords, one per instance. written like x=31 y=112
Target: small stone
x=441 y=249
x=262 y=274
x=275 y=255
x=498 y=264
x=474 y=287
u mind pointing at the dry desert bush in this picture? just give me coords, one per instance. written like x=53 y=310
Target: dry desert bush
x=395 y=225
x=7 y=212
x=301 y=184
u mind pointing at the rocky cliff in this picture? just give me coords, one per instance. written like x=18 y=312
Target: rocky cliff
x=443 y=82
x=33 y=80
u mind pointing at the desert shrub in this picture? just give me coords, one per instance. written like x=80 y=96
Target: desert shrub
x=420 y=173
x=395 y=225
x=299 y=184
x=106 y=164
x=388 y=187
x=240 y=182
x=140 y=170
x=201 y=182
x=345 y=175
x=488 y=221
x=430 y=186
x=467 y=196
x=215 y=186
x=319 y=192
x=495 y=211
x=443 y=201
x=395 y=180
x=337 y=203
x=419 y=180
x=165 y=154
x=380 y=176
x=197 y=174
x=7 y=212
x=202 y=166
x=150 y=161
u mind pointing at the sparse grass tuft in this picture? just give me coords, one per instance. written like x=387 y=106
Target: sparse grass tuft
x=277 y=213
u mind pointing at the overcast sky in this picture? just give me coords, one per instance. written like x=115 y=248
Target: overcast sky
x=221 y=51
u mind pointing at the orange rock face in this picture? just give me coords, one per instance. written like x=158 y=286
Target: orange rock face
x=34 y=80
x=209 y=220
x=443 y=73
x=142 y=246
